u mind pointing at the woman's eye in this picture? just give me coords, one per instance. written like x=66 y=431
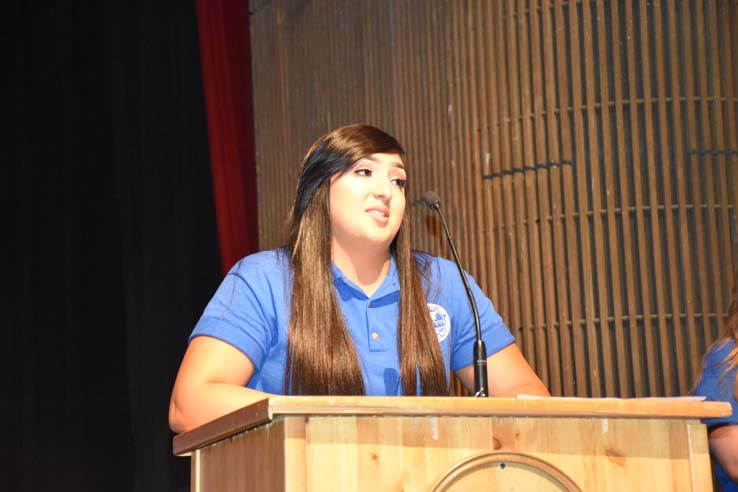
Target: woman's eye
x=363 y=172
x=399 y=182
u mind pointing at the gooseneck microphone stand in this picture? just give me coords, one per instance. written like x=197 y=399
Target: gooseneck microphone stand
x=480 y=350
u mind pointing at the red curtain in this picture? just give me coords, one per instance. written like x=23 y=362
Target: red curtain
x=225 y=49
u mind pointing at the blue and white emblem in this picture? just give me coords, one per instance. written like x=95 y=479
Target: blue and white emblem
x=441 y=321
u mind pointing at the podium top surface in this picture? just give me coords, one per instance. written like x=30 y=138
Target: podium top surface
x=273 y=407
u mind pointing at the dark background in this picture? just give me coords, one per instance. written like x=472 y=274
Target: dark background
x=113 y=249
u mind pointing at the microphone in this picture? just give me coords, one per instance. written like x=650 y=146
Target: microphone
x=480 y=350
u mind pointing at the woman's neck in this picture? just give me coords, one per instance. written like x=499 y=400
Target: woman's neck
x=366 y=268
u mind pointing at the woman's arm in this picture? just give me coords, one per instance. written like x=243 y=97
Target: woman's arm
x=210 y=383
x=724 y=446
x=508 y=374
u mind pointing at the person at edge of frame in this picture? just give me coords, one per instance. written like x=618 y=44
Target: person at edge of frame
x=718 y=381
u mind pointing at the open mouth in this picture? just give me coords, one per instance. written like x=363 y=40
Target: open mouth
x=378 y=213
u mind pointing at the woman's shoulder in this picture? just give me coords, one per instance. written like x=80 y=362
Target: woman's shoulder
x=718 y=378
x=436 y=264
x=266 y=263
x=718 y=353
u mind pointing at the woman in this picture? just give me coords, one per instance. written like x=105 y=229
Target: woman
x=719 y=382
x=346 y=308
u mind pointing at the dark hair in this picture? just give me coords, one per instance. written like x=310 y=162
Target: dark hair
x=321 y=358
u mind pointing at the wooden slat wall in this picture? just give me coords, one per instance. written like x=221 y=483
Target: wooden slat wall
x=586 y=153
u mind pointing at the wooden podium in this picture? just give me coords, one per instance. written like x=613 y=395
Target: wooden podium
x=384 y=444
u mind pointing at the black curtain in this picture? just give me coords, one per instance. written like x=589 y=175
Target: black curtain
x=112 y=252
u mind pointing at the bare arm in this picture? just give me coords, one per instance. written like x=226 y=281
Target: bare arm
x=210 y=383
x=508 y=374
x=724 y=446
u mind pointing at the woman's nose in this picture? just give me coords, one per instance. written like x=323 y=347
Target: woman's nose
x=383 y=188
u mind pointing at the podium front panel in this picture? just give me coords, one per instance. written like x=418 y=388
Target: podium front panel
x=452 y=453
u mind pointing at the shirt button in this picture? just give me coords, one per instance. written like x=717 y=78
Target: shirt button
x=375 y=335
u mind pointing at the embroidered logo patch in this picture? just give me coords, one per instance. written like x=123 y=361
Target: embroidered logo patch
x=441 y=321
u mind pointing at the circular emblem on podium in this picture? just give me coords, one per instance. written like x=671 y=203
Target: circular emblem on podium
x=504 y=471
x=441 y=321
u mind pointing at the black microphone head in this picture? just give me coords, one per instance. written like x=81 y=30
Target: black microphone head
x=431 y=199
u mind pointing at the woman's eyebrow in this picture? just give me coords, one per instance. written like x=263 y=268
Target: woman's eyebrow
x=395 y=164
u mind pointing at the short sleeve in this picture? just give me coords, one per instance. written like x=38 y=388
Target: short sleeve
x=447 y=289
x=715 y=385
x=495 y=333
x=243 y=310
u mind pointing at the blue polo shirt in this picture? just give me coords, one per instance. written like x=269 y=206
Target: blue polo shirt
x=251 y=309
x=716 y=386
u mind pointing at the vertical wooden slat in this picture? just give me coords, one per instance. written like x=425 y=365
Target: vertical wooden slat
x=364 y=91
x=692 y=352
x=696 y=172
x=425 y=158
x=708 y=163
x=673 y=280
x=386 y=49
x=729 y=42
x=598 y=265
x=320 y=78
x=513 y=218
x=449 y=185
x=493 y=202
x=482 y=122
x=303 y=102
x=400 y=79
x=368 y=92
x=476 y=151
x=620 y=80
x=583 y=201
x=422 y=157
x=277 y=132
x=560 y=310
x=465 y=141
x=454 y=195
x=259 y=77
x=359 y=60
x=573 y=248
x=640 y=211
x=421 y=151
x=446 y=143
x=722 y=243
x=401 y=85
x=417 y=108
x=281 y=131
x=530 y=177
x=621 y=371
x=447 y=101
x=406 y=85
x=656 y=246
x=376 y=89
x=443 y=125
x=545 y=314
x=509 y=299
x=517 y=199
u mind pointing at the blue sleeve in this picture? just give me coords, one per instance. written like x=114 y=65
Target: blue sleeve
x=716 y=386
x=242 y=312
x=495 y=333
x=452 y=294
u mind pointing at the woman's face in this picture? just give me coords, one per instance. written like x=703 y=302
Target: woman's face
x=367 y=202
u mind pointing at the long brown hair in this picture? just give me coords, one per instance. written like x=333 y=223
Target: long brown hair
x=730 y=334
x=321 y=358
